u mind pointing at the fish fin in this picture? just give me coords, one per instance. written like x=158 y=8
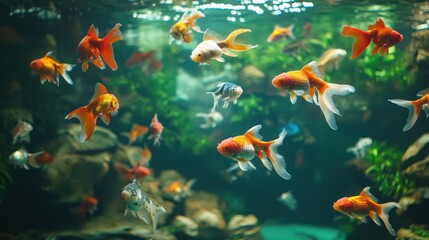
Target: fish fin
x=276 y=159
x=299 y=92
x=100 y=89
x=293 y=98
x=426 y=109
x=32 y=159
x=362 y=219
x=105 y=118
x=84 y=66
x=265 y=161
x=361 y=42
x=220 y=59
x=366 y=194
x=225 y=102
x=92 y=31
x=50 y=79
x=312 y=93
x=228 y=52
x=50 y=55
x=144 y=215
x=212 y=35
x=384 y=215
x=215 y=100
x=126 y=211
x=423 y=92
x=231 y=44
x=413 y=111
x=254 y=132
x=155 y=210
x=312 y=68
x=374 y=217
x=63 y=69
x=375 y=50
x=43 y=79
x=97 y=62
x=326 y=103
x=106 y=48
x=384 y=50
x=87 y=122
x=307 y=98
x=378 y=24
x=290 y=33
x=246 y=165
x=192 y=19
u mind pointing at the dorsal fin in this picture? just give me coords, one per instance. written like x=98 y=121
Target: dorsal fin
x=100 y=89
x=366 y=194
x=276 y=27
x=423 y=92
x=92 y=31
x=50 y=55
x=312 y=68
x=185 y=15
x=254 y=132
x=212 y=35
x=378 y=24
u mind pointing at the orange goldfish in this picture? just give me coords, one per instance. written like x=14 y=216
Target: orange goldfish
x=156 y=129
x=21 y=132
x=145 y=156
x=366 y=205
x=178 y=191
x=414 y=107
x=245 y=147
x=306 y=82
x=88 y=205
x=180 y=30
x=101 y=104
x=49 y=69
x=137 y=131
x=281 y=32
x=382 y=36
x=136 y=172
x=91 y=47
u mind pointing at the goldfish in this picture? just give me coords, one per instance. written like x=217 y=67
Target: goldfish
x=23 y=159
x=21 y=132
x=228 y=92
x=91 y=46
x=361 y=147
x=178 y=191
x=281 y=32
x=87 y=205
x=366 y=205
x=156 y=129
x=288 y=199
x=332 y=58
x=137 y=131
x=211 y=119
x=180 y=30
x=139 y=205
x=50 y=69
x=306 y=82
x=245 y=147
x=136 y=172
x=139 y=57
x=101 y=104
x=213 y=46
x=145 y=155
x=382 y=36
x=414 y=107
x=307 y=30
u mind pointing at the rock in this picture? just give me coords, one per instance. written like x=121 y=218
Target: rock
x=251 y=74
x=414 y=233
x=416 y=149
x=413 y=198
x=419 y=48
x=242 y=227
x=186 y=225
x=419 y=171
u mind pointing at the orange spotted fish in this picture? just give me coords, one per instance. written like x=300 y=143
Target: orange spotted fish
x=137 y=131
x=306 y=82
x=156 y=129
x=91 y=47
x=50 y=69
x=245 y=147
x=180 y=30
x=382 y=36
x=366 y=205
x=101 y=104
x=414 y=107
x=281 y=32
x=21 y=132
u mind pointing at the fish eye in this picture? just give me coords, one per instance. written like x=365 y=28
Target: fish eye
x=225 y=148
x=199 y=54
x=134 y=194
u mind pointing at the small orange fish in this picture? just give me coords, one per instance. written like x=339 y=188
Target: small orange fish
x=178 y=191
x=88 y=205
x=366 y=205
x=137 y=131
x=91 y=47
x=245 y=147
x=281 y=32
x=156 y=129
x=307 y=30
x=49 y=69
x=21 y=132
x=42 y=159
x=382 y=36
x=180 y=30
x=136 y=172
x=145 y=156
x=414 y=107
x=101 y=104
x=139 y=57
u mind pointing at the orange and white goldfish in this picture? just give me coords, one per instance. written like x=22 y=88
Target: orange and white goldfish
x=213 y=46
x=281 y=32
x=156 y=129
x=101 y=104
x=366 y=205
x=136 y=172
x=306 y=82
x=382 y=36
x=23 y=159
x=137 y=131
x=179 y=191
x=414 y=107
x=49 y=69
x=91 y=47
x=21 y=132
x=331 y=58
x=180 y=30
x=245 y=147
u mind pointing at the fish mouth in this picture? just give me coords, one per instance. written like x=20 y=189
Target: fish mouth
x=125 y=195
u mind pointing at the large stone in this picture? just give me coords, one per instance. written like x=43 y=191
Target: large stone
x=244 y=228
x=419 y=171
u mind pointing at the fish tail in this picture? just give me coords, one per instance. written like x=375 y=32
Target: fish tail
x=155 y=211
x=276 y=159
x=231 y=44
x=192 y=19
x=383 y=213
x=106 y=48
x=327 y=104
x=63 y=69
x=87 y=121
x=362 y=39
x=413 y=111
x=32 y=159
x=215 y=100
x=290 y=33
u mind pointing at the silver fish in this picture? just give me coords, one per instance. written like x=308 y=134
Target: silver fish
x=228 y=92
x=23 y=159
x=361 y=147
x=289 y=200
x=211 y=119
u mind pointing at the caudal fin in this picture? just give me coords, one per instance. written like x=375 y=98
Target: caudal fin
x=106 y=48
x=231 y=44
x=192 y=19
x=276 y=159
x=63 y=69
x=32 y=159
x=384 y=215
x=87 y=122
x=413 y=112
x=362 y=39
x=326 y=103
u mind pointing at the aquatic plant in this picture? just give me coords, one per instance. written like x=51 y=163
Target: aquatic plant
x=385 y=170
x=420 y=230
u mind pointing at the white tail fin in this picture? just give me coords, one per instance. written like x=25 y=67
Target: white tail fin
x=326 y=103
x=63 y=71
x=384 y=215
x=413 y=112
x=276 y=159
